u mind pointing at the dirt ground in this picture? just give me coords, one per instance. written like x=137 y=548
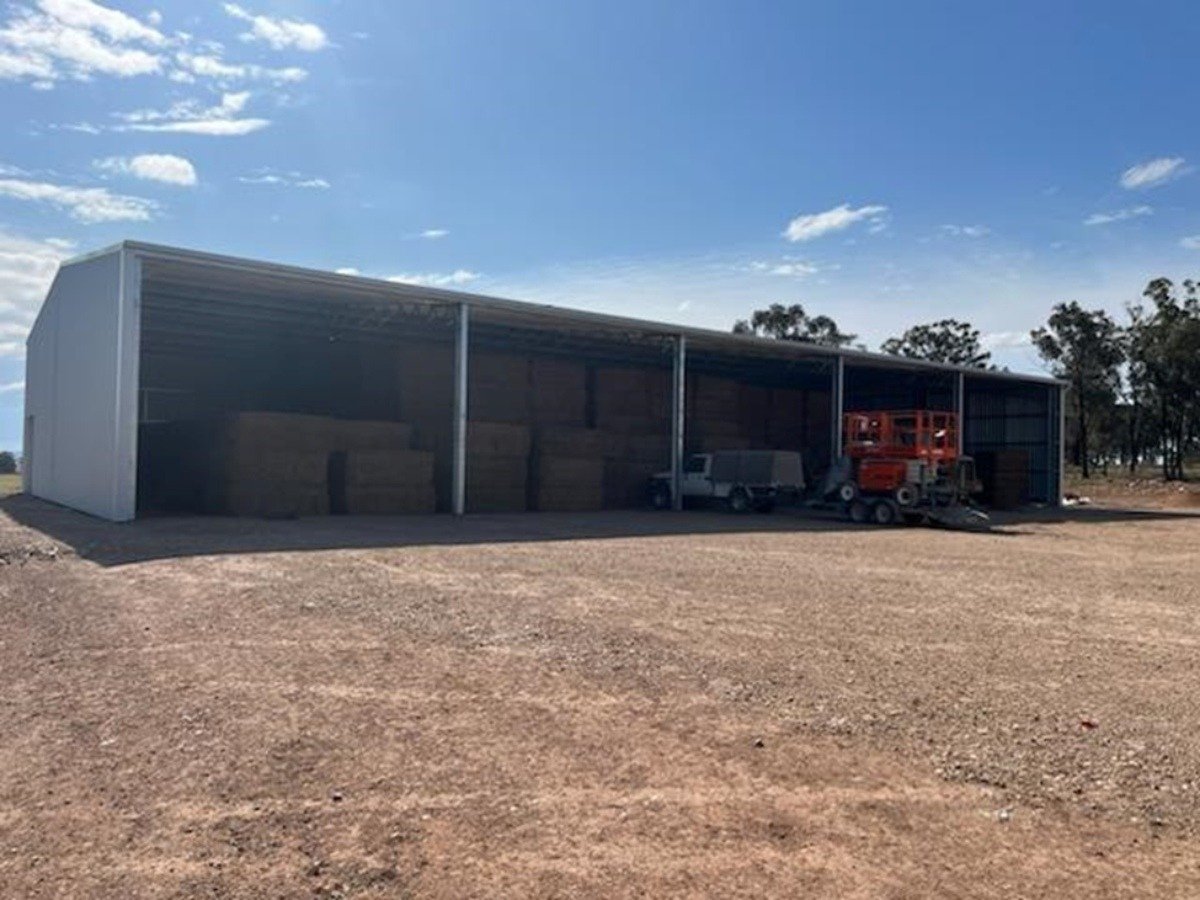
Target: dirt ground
x=610 y=705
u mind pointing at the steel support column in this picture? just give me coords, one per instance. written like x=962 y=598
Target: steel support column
x=838 y=401
x=1057 y=499
x=459 y=477
x=960 y=409
x=678 y=414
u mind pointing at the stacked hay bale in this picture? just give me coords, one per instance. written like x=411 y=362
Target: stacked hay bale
x=426 y=376
x=498 y=388
x=382 y=474
x=713 y=422
x=269 y=464
x=497 y=467
x=568 y=469
x=629 y=462
x=390 y=482
x=559 y=391
x=633 y=401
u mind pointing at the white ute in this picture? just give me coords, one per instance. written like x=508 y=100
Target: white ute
x=744 y=480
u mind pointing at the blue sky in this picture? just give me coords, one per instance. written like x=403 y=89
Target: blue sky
x=886 y=163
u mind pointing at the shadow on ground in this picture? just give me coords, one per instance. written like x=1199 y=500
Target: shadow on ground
x=166 y=537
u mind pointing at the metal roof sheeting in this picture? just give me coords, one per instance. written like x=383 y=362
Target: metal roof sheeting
x=266 y=278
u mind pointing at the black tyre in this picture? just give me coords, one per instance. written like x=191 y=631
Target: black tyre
x=847 y=491
x=660 y=496
x=885 y=512
x=765 y=506
x=859 y=511
x=739 y=501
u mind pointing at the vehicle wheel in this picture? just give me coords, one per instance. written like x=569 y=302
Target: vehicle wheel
x=739 y=501
x=765 y=506
x=885 y=512
x=906 y=495
x=847 y=491
x=660 y=496
x=859 y=511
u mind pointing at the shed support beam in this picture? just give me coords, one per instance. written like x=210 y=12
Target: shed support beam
x=678 y=412
x=838 y=400
x=960 y=409
x=459 y=475
x=1061 y=449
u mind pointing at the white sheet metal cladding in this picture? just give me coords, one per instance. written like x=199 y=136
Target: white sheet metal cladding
x=81 y=389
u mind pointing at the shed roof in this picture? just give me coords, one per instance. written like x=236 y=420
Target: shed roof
x=259 y=275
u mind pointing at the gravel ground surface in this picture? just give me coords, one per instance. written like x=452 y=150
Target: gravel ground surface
x=598 y=705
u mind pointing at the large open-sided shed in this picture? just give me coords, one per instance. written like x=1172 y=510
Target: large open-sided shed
x=137 y=338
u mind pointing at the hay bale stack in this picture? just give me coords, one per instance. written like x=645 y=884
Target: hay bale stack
x=499 y=388
x=632 y=401
x=356 y=435
x=559 y=392
x=568 y=469
x=269 y=464
x=389 y=482
x=426 y=376
x=497 y=467
x=629 y=463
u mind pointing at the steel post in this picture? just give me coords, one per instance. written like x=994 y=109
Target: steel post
x=461 y=348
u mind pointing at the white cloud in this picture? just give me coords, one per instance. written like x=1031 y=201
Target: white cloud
x=115 y=24
x=999 y=339
x=1119 y=215
x=189 y=117
x=457 y=278
x=87 y=205
x=347 y=270
x=1156 y=171
x=205 y=65
x=13 y=387
x=971 y=231
x=152 y=167
x=285 y=179
x=1191 y=243
x=814 y=225
x=791 y=268
x=280 y=34
x=76 y=39
x=27 y=267
x=433 y=234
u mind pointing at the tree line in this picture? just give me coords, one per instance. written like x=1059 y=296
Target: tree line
x=1133 y=387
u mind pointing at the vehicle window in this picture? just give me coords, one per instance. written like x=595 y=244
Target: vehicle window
x=694 y=465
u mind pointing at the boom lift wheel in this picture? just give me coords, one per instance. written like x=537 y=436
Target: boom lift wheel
x=859 y=511
x=885 y=512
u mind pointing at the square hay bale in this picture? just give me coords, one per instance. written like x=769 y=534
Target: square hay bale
x=497 y=439
x=497 y=483
x=568 y=483
x=253 y=432
x=269 y=499
x=565 y=441
x=358 y=434
x=391 y=501
x=558 y=391
x=627 y=483
x=299 y=467
x=392 y=469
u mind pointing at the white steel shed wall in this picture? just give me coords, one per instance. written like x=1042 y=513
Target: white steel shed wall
x=81 y=388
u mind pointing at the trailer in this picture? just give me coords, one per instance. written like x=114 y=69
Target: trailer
x=904 y=467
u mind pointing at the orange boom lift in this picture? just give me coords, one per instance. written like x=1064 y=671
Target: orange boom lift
x=904 y=466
